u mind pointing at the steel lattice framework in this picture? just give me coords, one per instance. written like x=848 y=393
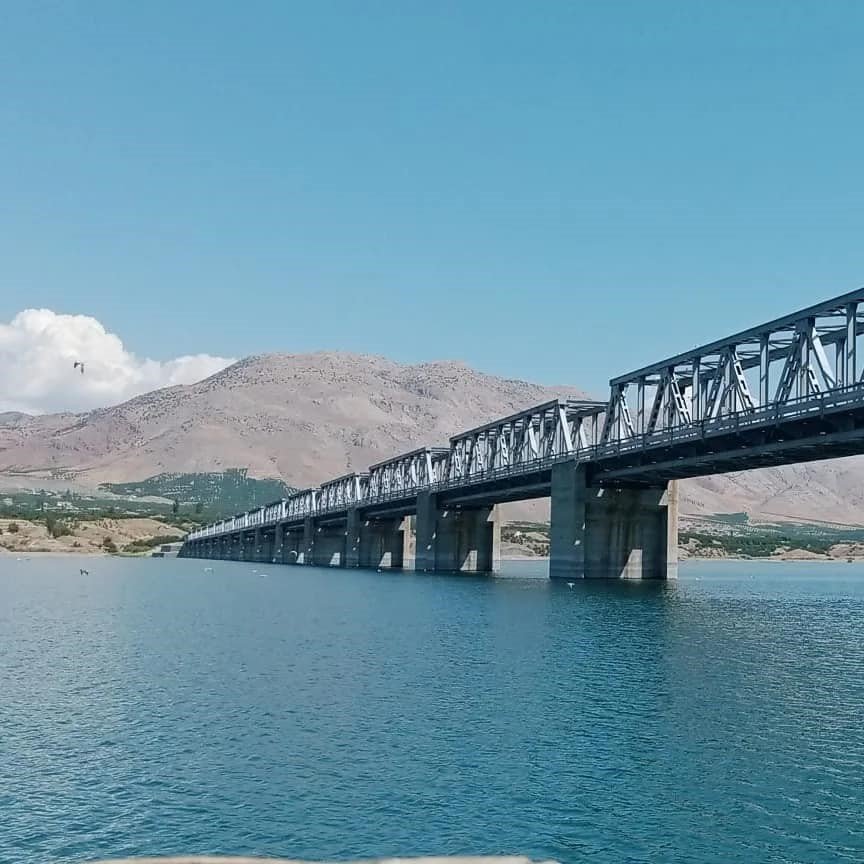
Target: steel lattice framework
x=788 y=390
x=342 y=493
x=771 y=366
x=406 y=474
x=554 y=429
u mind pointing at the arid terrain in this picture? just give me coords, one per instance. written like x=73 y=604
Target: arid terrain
x=20 y=536
x=307 y=418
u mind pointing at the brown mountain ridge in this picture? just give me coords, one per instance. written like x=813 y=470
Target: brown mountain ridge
x=309 y=417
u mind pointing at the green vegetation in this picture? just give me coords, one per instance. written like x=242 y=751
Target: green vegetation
x=531 y=535
x=187 y=500
x=13 y=528
x=208 y=496
x=730 y=518
x=109 y=546
x=730 y=534
x=56 y=527
x=762 y=540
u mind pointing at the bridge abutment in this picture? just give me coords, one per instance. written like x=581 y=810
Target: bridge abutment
x=608 y=533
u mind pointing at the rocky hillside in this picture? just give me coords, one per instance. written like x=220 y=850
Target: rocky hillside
x=304 y=418
x=307 y=418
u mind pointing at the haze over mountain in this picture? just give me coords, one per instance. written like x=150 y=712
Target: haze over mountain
x=308 y=418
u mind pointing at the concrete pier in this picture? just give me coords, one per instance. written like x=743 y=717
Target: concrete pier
x=277 y=544
x=452 y=540
x=384 y=544
x=328 y=545
x=603 y=533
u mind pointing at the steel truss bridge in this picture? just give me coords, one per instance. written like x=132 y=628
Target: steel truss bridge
x=787 y=391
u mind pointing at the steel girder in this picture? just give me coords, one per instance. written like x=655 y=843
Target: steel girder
x=770 y=366
x=301 y=504
x=560 y=428
x=406 y=474
x=342 y=493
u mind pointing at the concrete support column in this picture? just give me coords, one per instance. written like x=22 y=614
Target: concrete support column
x=449 y=539
x=672 y=530
x=567 y=523
x=306 y=555
x=328 y=548
x=276 y=553
x=257 y=545
x=353 y=529
x=611 y=533
x=292 y=545
x=425 y=533
x=384 y=543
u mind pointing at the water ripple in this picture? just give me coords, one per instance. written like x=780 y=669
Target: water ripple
x=153 y=708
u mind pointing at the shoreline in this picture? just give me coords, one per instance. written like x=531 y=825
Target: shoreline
x=24 y=554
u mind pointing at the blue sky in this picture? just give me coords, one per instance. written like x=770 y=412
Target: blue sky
x=555 y=191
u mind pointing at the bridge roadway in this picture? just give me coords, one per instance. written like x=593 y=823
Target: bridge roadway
x=766 y=396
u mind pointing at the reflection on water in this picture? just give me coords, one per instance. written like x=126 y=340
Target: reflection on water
x=154 y=707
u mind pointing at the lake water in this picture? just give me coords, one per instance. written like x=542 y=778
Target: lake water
x=153 y=707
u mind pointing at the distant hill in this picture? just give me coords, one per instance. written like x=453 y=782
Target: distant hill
x=12 y=418
x=305 y=418
x=221 y=493
x=299 y=418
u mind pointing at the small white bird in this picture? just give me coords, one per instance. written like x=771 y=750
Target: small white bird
x=78 y=365
x=570 y=585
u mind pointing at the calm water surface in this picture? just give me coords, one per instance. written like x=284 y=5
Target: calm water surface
x=153 y=707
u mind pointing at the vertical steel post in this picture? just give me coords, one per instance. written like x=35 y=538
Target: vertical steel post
x=696 y=391
x=764 y=364
x=850 y=371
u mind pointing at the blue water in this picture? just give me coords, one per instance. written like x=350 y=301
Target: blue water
x=153 y=707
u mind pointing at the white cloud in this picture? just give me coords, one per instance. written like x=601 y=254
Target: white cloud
x=38 y=349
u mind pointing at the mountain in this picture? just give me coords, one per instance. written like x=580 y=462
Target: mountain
x=12 y=418
x=307 y=418
x=302 y=418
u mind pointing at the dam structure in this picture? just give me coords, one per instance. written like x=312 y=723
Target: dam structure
x=783 y=392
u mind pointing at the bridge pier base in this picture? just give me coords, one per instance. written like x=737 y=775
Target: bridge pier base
x=307 y=542
x=328 y=545
x=257 y=545
x=384 y=543
x=600 y=533
x=353 y=534
x=278 y=544
x=456 y=540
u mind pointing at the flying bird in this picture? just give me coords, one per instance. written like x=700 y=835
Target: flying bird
x=78 y=365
